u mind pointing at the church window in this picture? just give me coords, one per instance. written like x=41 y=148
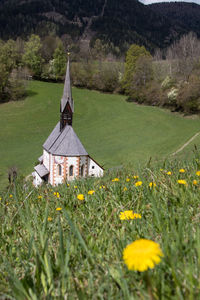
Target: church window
x=82 y=170
x=92 y=167
x=71 y=170
x=59 y=170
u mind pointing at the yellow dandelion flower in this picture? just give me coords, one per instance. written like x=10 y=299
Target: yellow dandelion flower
x=135 y=176
x=152 y=184
x=169 y=173
x=198 y=173
x=129 y=215
x=75 y=187
x=182 y=171
x=57 y=195
x=49 y=219
x=59 y=208
x=102 y=187
x=195 y=182
x=80 y=197
x=125 y=189
x=91 y=192
x=0 y=198
x=115 y=179
x=39 y=197
x=67 y=184
x=142 y=254
x=138 y=183
x=10 y=195
x=127 y=179
x=182 y=181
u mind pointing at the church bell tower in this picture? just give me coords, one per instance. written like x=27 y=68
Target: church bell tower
x=67 y=103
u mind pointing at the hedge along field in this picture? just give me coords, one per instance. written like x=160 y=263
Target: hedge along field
x=68 y=242
x=112 y=130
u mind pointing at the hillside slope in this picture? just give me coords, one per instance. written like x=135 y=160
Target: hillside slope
x=112 y=20
x=187 y=15
x=112 y=130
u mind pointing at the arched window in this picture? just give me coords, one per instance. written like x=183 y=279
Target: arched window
x=82 y=170
x=71 y=170
x=59 y=170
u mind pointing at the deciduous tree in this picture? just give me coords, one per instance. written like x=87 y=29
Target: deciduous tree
x=59 y=61
x=32 y=57
x=133 y=54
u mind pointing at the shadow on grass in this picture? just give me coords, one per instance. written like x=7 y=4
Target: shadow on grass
x=30 y=93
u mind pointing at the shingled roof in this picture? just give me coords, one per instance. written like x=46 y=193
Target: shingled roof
x=64 y=143
x=41 y=170
x=67 y=93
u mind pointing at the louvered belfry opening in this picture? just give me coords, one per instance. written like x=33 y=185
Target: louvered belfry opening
x=66 y=117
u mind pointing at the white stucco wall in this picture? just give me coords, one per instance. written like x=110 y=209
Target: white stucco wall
x=46 y=159
x=72 y=161
x=50 y=168
x=37 y=180
x=84 y=161
x=94 y=169
x=58 y=178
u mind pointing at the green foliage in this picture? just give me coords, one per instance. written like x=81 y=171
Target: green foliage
x=32 y=55
x=77 y=251
x=8 y=55
x=17 y=86
x=59 y=62
x=103 y=76
x=133 y=54
x=9 y=60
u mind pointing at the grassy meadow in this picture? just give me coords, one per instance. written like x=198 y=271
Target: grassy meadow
x=67 y=242
x=112 y=130
x=55 y=246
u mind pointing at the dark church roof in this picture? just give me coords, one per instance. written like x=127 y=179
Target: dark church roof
x=67 y=93
x=64 y=143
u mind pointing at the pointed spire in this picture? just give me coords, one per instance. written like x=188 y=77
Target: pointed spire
x=67 y=93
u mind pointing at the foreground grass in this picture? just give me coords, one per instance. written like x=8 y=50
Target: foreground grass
x=112 y=130
x=76 y=252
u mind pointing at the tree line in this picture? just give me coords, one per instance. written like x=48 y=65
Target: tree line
x=169 y=78
x=45 y=59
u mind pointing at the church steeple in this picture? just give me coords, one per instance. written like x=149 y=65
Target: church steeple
x=67 y=104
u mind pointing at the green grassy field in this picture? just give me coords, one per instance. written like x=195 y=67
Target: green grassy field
x=55 y=246
x=112 y=130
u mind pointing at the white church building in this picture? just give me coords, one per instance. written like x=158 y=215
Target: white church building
x=64 y=157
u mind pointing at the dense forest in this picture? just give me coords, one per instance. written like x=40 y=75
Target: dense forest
x=113 y=21
x=187 y=15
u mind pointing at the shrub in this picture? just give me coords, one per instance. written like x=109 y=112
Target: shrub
x=188 y=98
x=168 y=83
